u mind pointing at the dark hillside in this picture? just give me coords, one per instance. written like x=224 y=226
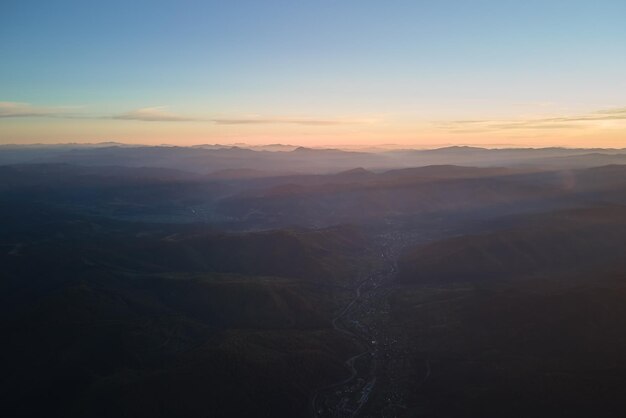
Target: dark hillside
x=559 y=242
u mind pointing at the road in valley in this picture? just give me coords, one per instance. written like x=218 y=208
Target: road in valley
x=360 y=321
x=378 y=384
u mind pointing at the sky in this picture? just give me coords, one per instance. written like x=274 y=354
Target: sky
x=314 y=72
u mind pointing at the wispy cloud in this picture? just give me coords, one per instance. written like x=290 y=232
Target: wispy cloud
x=153 y=114
x=162 y=114
x=23 y=110
x=619 y=111
x=289 y=121
x=562 y=122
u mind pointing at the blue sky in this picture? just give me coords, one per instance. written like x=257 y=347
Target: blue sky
x=394 y=71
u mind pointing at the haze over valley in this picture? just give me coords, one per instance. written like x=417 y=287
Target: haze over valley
x=187 y=281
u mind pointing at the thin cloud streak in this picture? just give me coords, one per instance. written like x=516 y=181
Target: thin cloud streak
x=26 y=110
x=162 y=114
x=565 y=122
x=619 y=111
x=306 y=122
x=153 y=114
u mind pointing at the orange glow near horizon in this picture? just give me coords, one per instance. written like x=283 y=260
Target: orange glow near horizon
x=595 y=131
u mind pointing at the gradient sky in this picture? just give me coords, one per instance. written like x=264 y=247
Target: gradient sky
x=315 y=72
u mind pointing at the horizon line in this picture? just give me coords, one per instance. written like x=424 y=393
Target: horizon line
x=382 y=146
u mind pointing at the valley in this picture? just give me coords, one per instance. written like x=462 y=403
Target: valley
x=436 y=291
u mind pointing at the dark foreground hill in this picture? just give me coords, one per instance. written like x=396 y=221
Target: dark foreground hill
x=106 y=318
x=524 y=321
x=545 y=347
x=584 y=240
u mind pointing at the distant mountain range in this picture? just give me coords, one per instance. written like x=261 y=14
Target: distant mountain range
x=287 y=159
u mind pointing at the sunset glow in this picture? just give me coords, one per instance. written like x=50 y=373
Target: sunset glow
x=315 y=73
